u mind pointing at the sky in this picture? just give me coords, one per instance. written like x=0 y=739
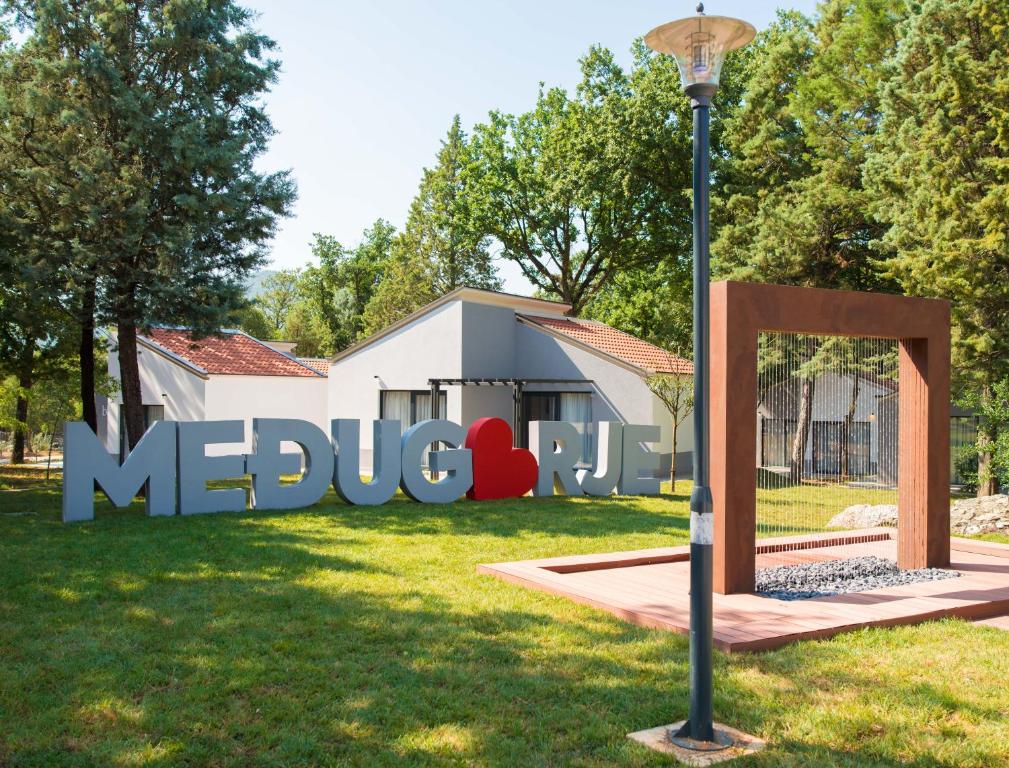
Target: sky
x=368 y=90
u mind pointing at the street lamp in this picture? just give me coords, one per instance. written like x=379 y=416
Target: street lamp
x=699 y=45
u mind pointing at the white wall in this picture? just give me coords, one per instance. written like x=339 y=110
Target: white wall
x=831 y=399
x=471 y=340
x=265 y=397
x=619 y=394
x=162 y=382
x=430 y=347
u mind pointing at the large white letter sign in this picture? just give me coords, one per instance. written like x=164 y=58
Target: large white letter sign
x=458 y=463
x=602 y=479
x=151 y=464
x=384 y=460
x=196 y=468
x=637 y=460
x=266 y=463
x=555 y=444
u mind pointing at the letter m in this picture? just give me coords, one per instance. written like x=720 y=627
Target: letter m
x=150 y=465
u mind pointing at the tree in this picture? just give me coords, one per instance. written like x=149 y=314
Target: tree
x=653 y=303
x=443 y=246
x=676 y=391
x=939 y=176
x=254 y=322
x=442 y=230
x=278 y=295
x=582 y=187
x=791 y=207
x=406 y=287
x=308 y=330
x=166 y=99
x=48 y=266
x=344 y=281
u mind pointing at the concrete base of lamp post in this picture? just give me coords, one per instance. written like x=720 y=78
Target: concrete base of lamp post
x=658 y=739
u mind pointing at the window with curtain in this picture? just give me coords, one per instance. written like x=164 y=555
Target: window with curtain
x=576 y=408
x=396 y=406
x=410 y=407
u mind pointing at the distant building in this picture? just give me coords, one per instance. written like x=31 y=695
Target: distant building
x=229 y=375
x=871 y=434
x=485 y=353
x=481 y=353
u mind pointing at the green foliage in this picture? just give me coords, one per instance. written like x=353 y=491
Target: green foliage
x=966 y=462
x=587 y=185
x=277 y=295
x=652 y=303
x=407 y=285
x=340 y=286
x=308 y=329
x=791 y=205
x=442 y=247
x=254 y=322
x=940 y=172
x=676 y=393
x=154 y=122
x=441 y=232
x=989 y=457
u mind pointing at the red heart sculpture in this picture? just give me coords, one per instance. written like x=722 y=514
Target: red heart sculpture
x=499 y=471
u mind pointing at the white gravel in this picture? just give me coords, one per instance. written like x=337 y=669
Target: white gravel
x=838 y=577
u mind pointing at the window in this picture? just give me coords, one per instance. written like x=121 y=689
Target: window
x=409 y=407
x=829 y=446
x=572 y=407
x=776 y=437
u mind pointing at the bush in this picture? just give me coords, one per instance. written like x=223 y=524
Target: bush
x=966 y=468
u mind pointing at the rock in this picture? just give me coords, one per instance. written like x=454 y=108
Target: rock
x=866 y=516
x=968 y=517
x=986 y=514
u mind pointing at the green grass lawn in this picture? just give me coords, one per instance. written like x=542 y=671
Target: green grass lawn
x=343 y=635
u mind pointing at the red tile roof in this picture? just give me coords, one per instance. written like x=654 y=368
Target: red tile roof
x=616 y=343
x=230 y=352
x=321 y=364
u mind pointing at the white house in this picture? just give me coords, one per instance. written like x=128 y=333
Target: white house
x=871 y=438
x=229 y=375
x=484 y=353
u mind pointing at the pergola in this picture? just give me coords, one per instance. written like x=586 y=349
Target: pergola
x=517 y=385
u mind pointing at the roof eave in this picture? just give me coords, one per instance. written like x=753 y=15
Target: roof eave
x=561 y=336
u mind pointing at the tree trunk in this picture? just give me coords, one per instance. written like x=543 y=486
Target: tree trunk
x=21 y=415
x=802 y=428
x=849 y=419
x=987 y=483
x=21 y=408
x=672 y=462
x=129 y=378
x=86 y=353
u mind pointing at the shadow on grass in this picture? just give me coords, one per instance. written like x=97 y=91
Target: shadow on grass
x=360 y=636
x=237 y=641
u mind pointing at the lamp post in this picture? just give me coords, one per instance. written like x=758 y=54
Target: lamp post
x=699 y=45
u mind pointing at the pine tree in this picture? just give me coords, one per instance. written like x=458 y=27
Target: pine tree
x=792 y=208
x=940 y=174
x=441 y=231
x=442 y=247
x=165 y=97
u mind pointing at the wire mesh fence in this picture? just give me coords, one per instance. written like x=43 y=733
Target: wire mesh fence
x=827 y=427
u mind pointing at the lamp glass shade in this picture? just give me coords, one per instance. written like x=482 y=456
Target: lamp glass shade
x=699 y=45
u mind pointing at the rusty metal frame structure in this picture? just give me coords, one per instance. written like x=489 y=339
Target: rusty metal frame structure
x=739 y=311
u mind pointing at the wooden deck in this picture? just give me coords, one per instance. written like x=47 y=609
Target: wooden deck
x=650 y=588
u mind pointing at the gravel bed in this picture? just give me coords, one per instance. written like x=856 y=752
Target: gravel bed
x=838 y=577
